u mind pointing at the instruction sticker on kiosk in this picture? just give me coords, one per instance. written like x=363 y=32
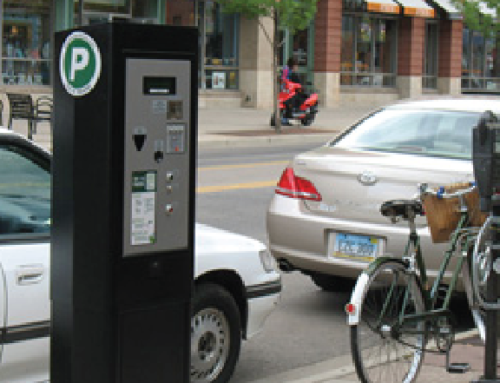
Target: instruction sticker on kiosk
x=143 y=230
x=176 y=137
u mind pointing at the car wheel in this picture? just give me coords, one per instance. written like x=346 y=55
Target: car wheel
x=215 y=334
x=333 y=283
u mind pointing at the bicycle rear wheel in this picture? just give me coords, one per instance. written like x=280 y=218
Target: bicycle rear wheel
x=383 y=351
x=480 y=277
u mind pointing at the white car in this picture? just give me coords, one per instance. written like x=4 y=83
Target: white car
x=235 y=278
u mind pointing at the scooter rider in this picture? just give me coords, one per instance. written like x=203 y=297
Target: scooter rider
x=290 y=74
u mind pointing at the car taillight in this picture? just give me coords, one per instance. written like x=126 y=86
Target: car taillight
x=297 y=187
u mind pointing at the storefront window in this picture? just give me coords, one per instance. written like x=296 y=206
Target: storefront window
x=368 y=51
x=181 y=12
x=100 y=11
x=26 y=32
x=106 y=6
x=297 y=46
x=384 y=45
x=363 y=45
x=429 y=79
x=219 y=47
x=301 y=47
x=480 y=63
x=219 y=40
x=348 y=49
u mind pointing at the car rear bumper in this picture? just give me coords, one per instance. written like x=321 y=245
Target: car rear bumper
x=302 y=239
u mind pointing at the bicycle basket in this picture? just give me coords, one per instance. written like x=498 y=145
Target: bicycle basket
x=443 y=215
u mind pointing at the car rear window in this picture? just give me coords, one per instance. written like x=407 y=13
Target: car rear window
x=423 y=132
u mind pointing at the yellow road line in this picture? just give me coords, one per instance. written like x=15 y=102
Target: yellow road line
x=247 y=185
x=239 y=166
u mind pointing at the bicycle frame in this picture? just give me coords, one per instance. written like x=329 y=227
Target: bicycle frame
x=414 y=261
x=413 y=257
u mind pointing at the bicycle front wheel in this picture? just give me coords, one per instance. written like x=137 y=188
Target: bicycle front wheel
x=385 y=347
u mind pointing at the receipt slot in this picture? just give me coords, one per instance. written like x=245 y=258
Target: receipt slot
x=123 y=203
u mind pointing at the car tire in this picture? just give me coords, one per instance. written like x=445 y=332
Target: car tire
x=215 y=334
x=332 y=283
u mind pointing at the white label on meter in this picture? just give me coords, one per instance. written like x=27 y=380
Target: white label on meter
x=143 y=230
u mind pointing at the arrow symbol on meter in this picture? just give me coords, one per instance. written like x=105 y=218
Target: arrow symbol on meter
x=139 y=135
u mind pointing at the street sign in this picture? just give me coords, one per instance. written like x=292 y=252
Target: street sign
x=79 y=64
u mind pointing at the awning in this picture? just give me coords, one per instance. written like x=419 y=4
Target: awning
x=452 y=11
x=417 y=8
x=383 y=6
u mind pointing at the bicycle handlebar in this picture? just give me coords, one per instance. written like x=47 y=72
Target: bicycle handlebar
x=441 y=192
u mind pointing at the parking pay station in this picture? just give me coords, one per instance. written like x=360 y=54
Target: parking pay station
x=123 y=203
x=486 y=163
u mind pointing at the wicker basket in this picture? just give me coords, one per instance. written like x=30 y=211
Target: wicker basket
x=443 y=215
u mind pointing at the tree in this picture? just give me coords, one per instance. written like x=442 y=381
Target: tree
x=482 y=16
x=295 y=15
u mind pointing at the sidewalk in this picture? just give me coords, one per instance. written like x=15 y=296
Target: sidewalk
x=250 y=127
x=467 y=348
x=223 y=127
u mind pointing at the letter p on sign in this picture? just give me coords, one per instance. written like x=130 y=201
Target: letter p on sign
x=79 y=64
x=79 y=60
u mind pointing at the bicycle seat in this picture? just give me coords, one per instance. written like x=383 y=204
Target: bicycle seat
x=401 y=207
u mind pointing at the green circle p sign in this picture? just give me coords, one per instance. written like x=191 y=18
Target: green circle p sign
x=79 y=64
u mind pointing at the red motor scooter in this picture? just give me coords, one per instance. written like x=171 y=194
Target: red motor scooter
x=305 y=112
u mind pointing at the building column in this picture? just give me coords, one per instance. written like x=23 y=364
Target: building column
x=411 y=45
x=327 y=51
x=256 y=77
x=64 y=14
x=450 y=57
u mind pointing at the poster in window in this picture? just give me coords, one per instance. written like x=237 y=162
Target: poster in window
x=218 y=80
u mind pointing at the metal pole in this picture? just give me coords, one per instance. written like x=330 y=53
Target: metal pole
x=490 y=357
x=490 y=352
x=80 y=13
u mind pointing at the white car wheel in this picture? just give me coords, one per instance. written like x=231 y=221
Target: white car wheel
x=215 y=335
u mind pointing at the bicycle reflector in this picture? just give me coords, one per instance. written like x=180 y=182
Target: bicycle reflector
x=297 y=187
x=350 y=309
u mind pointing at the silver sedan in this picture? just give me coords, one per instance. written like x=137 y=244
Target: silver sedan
x=324 y=219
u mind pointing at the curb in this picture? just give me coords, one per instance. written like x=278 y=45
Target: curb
x=212 y=141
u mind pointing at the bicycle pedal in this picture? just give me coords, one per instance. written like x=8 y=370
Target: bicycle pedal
x=458 y=368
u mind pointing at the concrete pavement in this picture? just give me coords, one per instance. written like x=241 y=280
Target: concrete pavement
x=467 y=348
x=250 y=127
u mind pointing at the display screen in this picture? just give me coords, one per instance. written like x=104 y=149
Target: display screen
x=160 y=85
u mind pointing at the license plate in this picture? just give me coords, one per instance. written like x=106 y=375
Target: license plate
x=359 y=247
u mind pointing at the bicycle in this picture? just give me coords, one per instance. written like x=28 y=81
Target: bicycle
x=394 y=310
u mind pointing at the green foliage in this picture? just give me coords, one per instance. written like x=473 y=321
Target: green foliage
x=477 y=19
x=292 y=14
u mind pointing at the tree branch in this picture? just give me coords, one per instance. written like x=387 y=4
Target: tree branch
x=265 y=31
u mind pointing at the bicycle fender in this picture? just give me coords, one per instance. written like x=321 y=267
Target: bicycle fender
x=354 y=312
x=356 y=297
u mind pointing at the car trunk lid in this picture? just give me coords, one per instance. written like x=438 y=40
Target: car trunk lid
x=354 y=183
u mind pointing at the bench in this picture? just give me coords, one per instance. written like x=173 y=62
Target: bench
x=23 y=108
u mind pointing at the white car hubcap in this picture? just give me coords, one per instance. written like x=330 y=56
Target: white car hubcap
x=210 y=339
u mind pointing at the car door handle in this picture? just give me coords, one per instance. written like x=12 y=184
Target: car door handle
x=30 y=274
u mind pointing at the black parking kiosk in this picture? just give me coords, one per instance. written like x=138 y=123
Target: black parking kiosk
x=125 y=107
x=486 y=163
